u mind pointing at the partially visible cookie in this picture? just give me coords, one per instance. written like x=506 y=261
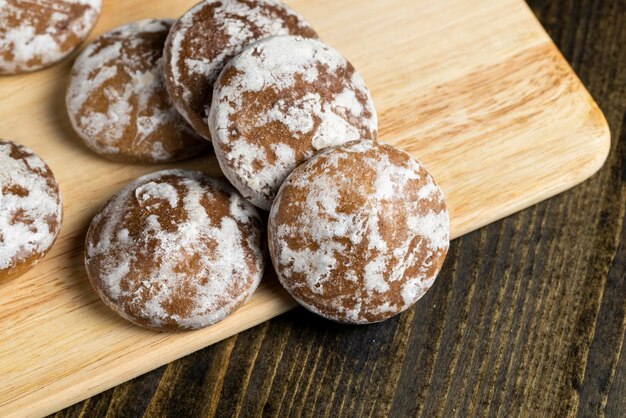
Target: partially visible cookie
x=36 y=34
x=277 y=104
x=175 y=250
x=206 y=37
x=118 y=103
x=31 y=209
x=359 y=232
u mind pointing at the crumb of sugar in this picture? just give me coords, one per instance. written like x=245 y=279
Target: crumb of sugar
x=162 y=191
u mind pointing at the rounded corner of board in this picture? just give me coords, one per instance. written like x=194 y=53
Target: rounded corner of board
x=601 y=137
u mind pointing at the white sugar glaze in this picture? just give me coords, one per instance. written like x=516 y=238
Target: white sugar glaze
x=26 y=42
x=313 y=122
x=221 y=252
x=319 y=230
x=25 y=219
x=231 y=26
x=130 y=104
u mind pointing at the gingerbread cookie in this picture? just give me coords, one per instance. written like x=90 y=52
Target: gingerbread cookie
x=206 y=37
x=359 y=232
x=175 y=250
x=277 y=104
x=31 y=209
x=36 y=34
x=117 y=101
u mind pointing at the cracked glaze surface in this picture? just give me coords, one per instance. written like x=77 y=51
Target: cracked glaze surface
x=278 y=103
x=175 y=250
x=117 y=100
x=30 y=207
x=205 y=38
x=359 y=233
x=35 y=34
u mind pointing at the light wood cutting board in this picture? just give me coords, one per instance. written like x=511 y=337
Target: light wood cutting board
x=474 y=88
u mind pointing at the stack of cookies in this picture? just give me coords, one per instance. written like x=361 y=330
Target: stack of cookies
x=357 y=230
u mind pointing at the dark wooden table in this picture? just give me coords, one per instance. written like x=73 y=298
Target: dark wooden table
x=527 y=318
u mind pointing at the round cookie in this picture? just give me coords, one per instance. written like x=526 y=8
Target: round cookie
x=277 y=104
x=359 y=232
x=175 y=250
x=31 y=209
x=117 y=100
x=36 y=34
x=206 y=37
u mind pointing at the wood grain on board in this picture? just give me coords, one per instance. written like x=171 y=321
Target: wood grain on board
x=474 y=88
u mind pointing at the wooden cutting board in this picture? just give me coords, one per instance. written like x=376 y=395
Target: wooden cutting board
x=473 y=88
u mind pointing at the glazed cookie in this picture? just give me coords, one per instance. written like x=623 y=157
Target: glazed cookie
x=277 y=104
x=117 y=101
x=36 y=34
x=206 y=37
x=30 y=209
x=359 y=232
x=175 y=250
